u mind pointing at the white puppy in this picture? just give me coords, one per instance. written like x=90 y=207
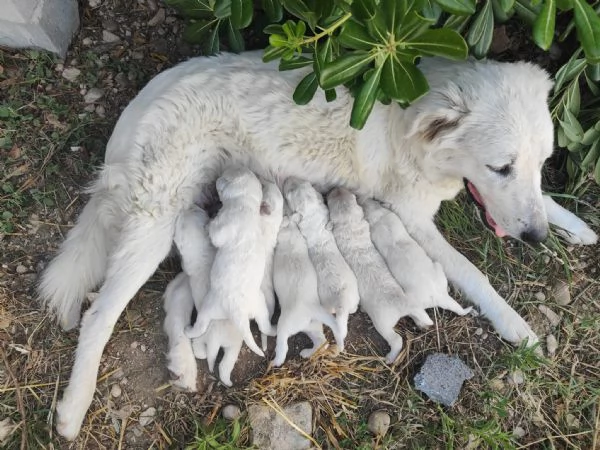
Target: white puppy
x=271 y=214
x=239 y=264
x=381 y=297
x=337 y=285
x=178 y=305
x=295 y=281
x=422 y=279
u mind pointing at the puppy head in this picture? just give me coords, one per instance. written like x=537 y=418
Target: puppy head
x=343 y=206
x=238 y=182
x=272 y=200
x=301 y=196
x=373 y=210
x=489 y=124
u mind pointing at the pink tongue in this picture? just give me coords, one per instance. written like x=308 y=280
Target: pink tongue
x=477 y=196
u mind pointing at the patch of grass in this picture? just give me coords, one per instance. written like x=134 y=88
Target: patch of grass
x=221 y=435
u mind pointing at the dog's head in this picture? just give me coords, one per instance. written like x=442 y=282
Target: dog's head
x=343 y=206
x=237 y=182
x=302 y=197
x=489 y=124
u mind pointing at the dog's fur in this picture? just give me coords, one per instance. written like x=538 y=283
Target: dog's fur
x=422 y=279
x=189 y=122
x=337 y=286
x=271 y=214
x=381 y=297
x=239 y=264
x=295 y=281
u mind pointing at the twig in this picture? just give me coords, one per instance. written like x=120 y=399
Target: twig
x=20 y=406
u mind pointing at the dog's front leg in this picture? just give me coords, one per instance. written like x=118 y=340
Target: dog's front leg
x=574 y=230
x=465 y=276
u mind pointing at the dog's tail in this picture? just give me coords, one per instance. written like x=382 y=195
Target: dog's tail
x=81 y=262
x=338 y=324
x=243 y=325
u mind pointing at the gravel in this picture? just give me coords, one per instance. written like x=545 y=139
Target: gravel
x=441 y=378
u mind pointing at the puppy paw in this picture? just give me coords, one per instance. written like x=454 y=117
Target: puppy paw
x=512 y=327
x=184 y=374
x=579 y=235
x=68 y=421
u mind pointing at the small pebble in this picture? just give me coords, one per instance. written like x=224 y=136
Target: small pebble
x=573 y=421
x=515 y=378
x=519 y=432
x=546 y=259
x=552 y=317
x=134 y=344
x=379 y=423
x=561 y=293
x=479 y=331
x=147 y=416
x=158 y=18
x=87 y=41
x=551 y=344
x=21 y=269
x=539 y=296
x=71 y=73
x=143 y=347
x=109 y=37
x=93 y=95
x=231 y=412
x=115 y=391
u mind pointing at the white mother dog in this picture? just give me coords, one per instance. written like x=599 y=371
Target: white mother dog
x=486 y=122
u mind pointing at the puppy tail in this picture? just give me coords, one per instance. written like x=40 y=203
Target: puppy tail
x=243 y=325
x=80 y=264
x=338 y=324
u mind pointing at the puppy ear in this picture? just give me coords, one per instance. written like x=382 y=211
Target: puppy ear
x=439 y=113
x=265 y=209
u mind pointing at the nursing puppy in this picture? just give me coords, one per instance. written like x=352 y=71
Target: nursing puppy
x=337 y=286
x=271 y=214
x=239 y=264
x=295 y=281
x=423 y=280
x=483 y=121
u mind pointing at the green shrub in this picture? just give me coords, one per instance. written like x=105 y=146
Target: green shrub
x=373 y=47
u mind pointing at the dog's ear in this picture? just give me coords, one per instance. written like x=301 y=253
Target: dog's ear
x=265 y=209
x=438 y=114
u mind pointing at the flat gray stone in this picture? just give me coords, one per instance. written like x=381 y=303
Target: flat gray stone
x=270 y=431
x=441 y=378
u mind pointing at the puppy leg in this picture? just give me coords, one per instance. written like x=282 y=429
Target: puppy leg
x=574 y=230
x=228 y=361
x=212 y=350
x=447 y=302
x=178 y=306
x=384 y=322
x=421 y=318
x=316 y=335
x=463 y=274
x=199 y=347
x=143 y=244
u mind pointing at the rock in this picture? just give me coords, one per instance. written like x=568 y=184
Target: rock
x=552 y=317
x=442 y=377
x=93 y=95
x=7 y=426
x=379 y=423
x=147 y=416
x=539 y=296
x=94 y=3
x=109 y=37
x=158 y=18
x=87 y=41
x=561 y=293
x=479 y=331
x=270 y=431
x=551 y=344
x=231 y=412
x=115 y=391
x=21 y=269
x=519 y=432
x=572 y=421
x=515 y=378
x=122 y=80
x=71 y=73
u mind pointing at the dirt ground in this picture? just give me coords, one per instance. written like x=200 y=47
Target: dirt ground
x=52 y=137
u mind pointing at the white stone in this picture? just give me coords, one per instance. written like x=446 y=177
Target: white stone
x=561 y=293
x=93 y=95
x=270 y=431
x=147 y=416
x=21 y=269
x=231 y=412
x=539 y=296
x=551 y=344
x=515 y=378
x=71 y=73
x=109 y=37
x=552 y=317
x=379 y=423
x=115 y=390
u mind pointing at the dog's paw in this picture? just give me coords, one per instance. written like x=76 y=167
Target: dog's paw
x=579 y=235
x=68 y=421
x=184 y=376
x=513 y=328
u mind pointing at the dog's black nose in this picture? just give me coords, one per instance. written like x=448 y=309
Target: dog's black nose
x=534 y=235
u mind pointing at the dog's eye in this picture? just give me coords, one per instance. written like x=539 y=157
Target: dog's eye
x=504 y=170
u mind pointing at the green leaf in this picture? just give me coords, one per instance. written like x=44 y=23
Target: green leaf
x=457 y=23
x=301 y=10
x=573 y=99
x=355 y=36
x=277 y=40
x=295 y=63
x=236 y=41
x=441 y=42
x=587 y=22
x=526 y=11
x=458 y=7
x=192 y=9
x=272 y=53
x=323 y=55
x=592 y=155
x=561 y=137
x=564 y=5
x=330 y=95
x=241 y=13
x=364 y=9
x=211 y=46
x=402 y=81
x=500 y=15
x=195 y=32
x=431 y=10
x=569 y=71
x=364 y=101
x=344 y=69
x=590 y=136
x=593 y=72
x=506 y=5
x=482 y=30
x=306 y=89
x=543 y=27
x=222 y=9
x=597 y=172
x=412 y=24
x=571 y=127
x=393 y=11
x=273 y=10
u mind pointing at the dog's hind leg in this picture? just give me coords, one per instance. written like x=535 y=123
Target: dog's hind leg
x=384 y=322
x=574 y=230
x=80 y=264
x=316 y=335
x=421 y=318
x=178 y=305
x=143 y=244
x=230 y=356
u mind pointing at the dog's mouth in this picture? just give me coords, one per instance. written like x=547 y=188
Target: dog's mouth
x=486 y=217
